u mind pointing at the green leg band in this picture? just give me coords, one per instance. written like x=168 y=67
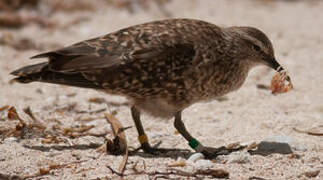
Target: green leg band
x=193 y=143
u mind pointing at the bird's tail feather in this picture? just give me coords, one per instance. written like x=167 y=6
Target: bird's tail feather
x=41 y=73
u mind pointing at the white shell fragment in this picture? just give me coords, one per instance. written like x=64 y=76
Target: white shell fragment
x=239 y=157
x=195 y=157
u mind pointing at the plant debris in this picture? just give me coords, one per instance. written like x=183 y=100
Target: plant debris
x=23 y=43
x=81 y=129
x=51 y=139
x=30 y=113
x=97 y=100
x=119 y=143
x=93 y=111
x=23 y=129
x=71 y=5
x=11 y=5
x=36 y=129
x=47 y=170
x=132 y=5
x=214 y=173
x=177 y=164
x=256 y=178
x=310 y=174
x=4 y=108
x=76 y=132
x=16 y=20
x=309 y=132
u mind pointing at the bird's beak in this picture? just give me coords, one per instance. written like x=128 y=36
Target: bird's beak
x=274 y=64
x=277 y=67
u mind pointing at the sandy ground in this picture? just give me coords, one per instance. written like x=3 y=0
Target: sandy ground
x=248 y=115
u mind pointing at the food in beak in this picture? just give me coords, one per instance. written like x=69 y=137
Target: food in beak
x=278 y=82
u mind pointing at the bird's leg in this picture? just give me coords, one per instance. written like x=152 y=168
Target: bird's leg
x=208 y=152
x=143 y=139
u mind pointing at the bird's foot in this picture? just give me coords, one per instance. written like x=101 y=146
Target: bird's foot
x=157 y=151
x=211 y=153
x=153 y=150
x=148 y=149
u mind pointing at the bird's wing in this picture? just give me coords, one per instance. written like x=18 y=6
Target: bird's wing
x=104 y=53
x=82 y=56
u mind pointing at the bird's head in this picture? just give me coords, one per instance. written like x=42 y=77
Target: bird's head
x=256 y=46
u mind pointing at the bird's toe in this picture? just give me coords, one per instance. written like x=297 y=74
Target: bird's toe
x=211 y=152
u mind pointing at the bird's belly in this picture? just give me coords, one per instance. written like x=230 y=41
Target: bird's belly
x=158 y=107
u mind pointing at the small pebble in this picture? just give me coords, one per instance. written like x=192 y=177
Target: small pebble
x=195 y=157
x=288 y=140
x=267 y=148
x=312 y=174
x=203 y=164
x=239 y=157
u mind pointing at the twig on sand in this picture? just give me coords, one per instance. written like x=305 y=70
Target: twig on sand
x=308 y=132
x=119 y=143
x=215 y=173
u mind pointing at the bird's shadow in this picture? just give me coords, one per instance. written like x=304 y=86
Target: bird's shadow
x=264 y=149
x=173 y=153
x=63 y=147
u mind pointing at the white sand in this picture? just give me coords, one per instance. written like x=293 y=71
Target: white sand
x=250 y=114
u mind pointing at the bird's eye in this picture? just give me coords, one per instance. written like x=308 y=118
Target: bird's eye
x=256 y=47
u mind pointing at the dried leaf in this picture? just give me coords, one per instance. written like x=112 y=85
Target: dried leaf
x=177 y=164
x=97 y=100
x=120 y=137
x=71 y=5
x=123 y=163
x=309 y=132
x=51 y=139
x=256 y=178
x=10 y=5
x=294 y=156
x=44 y=171
x=81 y=129
x=234 y=146
x=12 y=114
x=119 y=144
x=252 y=146
x=312 y=174
x=14 y=20
x=216 y=173
x=30 y=113
x=4 y=108
x=84 y=170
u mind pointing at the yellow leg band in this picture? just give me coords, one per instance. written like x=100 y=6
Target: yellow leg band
x=143 y=139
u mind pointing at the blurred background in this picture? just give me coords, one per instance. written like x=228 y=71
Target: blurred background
x=34 y=24
x=28 y=27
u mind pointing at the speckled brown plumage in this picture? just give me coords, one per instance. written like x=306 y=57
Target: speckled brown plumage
x=162 y=67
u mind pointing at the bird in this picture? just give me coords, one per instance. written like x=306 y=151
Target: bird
x=162 y=67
